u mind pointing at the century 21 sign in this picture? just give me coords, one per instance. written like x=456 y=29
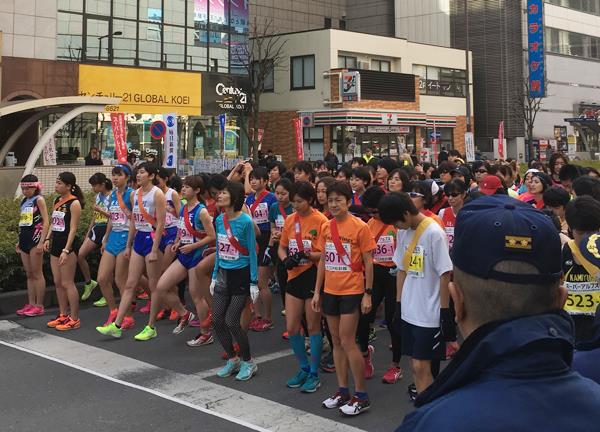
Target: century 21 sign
x=143 y=91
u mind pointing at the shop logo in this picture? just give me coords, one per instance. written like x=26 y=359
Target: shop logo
x=170 y=121
x=233 y=97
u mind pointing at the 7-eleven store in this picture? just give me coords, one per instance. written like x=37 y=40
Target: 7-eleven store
x=386 y=132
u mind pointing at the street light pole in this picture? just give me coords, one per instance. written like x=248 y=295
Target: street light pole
x=468 y=70
x=117 y=33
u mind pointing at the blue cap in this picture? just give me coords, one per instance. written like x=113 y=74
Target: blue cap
x=498 y=228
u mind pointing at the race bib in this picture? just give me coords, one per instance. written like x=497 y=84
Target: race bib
x=140 y=223
x=170 y=220
x=384 y=252
x=261 y=213
x=100 y=218
x=416 y=267
x=450 y=235
x=334 y=262
x=293 y=248
x=279 y=222
x=58 y=221
x=118 y=218
x=185 y=237
x=583 y=298
x=26 y=218
x=226 y=250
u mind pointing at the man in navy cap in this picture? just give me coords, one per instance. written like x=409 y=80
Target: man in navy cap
x=513 y=371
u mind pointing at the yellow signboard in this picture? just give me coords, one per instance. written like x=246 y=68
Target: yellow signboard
x=143 y=91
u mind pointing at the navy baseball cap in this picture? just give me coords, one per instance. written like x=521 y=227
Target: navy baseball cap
x=497 y=228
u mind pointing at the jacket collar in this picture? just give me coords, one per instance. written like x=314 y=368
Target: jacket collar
x=501 y=348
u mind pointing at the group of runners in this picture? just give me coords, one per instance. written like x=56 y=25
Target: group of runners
x=339 y=246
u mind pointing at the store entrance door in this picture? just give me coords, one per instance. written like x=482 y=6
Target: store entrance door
x=382 y=145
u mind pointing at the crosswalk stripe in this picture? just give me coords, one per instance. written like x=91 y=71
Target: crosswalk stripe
x=192 y=391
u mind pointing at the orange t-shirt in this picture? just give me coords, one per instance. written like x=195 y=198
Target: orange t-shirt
x=386 y=244
x=356 y=238
x=310 y=231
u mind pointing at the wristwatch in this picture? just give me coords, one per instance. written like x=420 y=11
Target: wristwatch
x=67 y=251
x=369 y=291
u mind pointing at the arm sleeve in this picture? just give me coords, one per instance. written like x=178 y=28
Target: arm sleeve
x=216 y=267
x=251 y=242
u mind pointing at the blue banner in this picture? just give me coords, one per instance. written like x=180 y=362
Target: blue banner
x=535 y=40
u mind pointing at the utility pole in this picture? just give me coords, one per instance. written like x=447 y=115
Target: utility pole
x=468 y=70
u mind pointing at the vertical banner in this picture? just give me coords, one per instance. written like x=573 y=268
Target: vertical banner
x=49 y=152
x=222 y=120
x=170 y=160
x=117 y=121
x=299 y=139
x=470 y=146
x=501 y=140
x=536 y=48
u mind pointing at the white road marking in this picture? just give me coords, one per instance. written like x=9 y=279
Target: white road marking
x=192 y=391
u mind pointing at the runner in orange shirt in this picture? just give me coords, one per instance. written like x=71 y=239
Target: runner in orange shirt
x=347 y=243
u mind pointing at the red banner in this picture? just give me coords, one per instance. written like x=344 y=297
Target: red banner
x=501 y=140
x=117 y=120
x=299 y=139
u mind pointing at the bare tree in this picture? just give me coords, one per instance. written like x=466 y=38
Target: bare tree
x=528 y=108
x=260 y=59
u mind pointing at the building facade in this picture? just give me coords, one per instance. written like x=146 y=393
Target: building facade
x=397 y=112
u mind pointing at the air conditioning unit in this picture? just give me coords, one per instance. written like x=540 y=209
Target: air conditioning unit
x=364 y=64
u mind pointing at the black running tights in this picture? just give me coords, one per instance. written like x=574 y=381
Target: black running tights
x=227 y=310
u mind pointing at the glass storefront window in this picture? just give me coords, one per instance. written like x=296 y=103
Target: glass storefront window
x=123 y=46
x=70 y=5
x=98 y=7
x=69 y=42
x=125 y=9
x=174 y=46
x=313 y=143
x=197 y=53
x=175 y=12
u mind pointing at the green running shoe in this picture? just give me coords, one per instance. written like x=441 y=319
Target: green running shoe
x=146 y=334
x=298 y=379
x=101 y=302
x=311 y=384
x=87 y=290
x=110 y=330
x=229 y=369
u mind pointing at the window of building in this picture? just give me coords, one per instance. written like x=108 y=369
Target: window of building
x=572 y=44
x=588 y=6
x=342 y=24
x=313 y=143
x=381 y=65
x=268 y=68
x=346 y=62
x=436 y=81
x=327 y=23
x=303 y=72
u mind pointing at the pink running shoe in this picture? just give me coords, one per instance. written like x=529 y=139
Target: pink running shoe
x=369 y=368
x=112 y=316
x=194 y=323
x=128 y=322
x=263 y=325
x=35 y=311
x=254 y=322
x=451 y=348
x=24 y=309
x=392 y=375
x=146 y=308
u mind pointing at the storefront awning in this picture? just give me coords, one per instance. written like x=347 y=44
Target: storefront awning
x=372 y=117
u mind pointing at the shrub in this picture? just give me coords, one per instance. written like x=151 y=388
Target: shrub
x=12 y=275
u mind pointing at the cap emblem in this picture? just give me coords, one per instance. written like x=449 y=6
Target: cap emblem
x=517 y=242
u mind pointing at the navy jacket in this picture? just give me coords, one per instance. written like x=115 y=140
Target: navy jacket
x=586 y=360
x=511 y=376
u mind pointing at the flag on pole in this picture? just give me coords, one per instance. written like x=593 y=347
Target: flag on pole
x=501 y=140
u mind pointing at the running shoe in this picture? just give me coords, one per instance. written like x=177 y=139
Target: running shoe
x=183 y=322
x=369 y=368
x=372 y=335
x=451 y=348
x=35 y=311
x=174 y=316
x=146 y=308
x=101 y=302
x=335 y=401
x=392 y=375
x=285 y=335
x=163 y=314
x=355 y=406
x=274 y=287
x=24 y=309
x=142 y=295
x=231 y=367
x=311 y=385
x=263 y=325
x=247 y=370
x=128 y=323
x=327 y=364
x=207 y=322
x=87 y=290
x=110 y=330
x=254 y=322
x=201 y=339
x=59 y=320
x=236 y=349
x=146 y=334
x=71 y=324
x=412 y=392
x=298 y=379
x=194 y=323
x=112 y=316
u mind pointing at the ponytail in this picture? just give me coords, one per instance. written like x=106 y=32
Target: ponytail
x=68 y=178
x=100 y=178
x=76 y=190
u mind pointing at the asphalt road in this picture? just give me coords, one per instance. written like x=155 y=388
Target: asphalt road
x=80 y=380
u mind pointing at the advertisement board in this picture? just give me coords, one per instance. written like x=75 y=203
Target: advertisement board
x=536 y=48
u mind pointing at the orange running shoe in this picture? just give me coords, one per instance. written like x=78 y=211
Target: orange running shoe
x=174 y=315
x=71 y=324
x=59 y=320
x=128 y=322
x=142 y=295
x=162 y=314
x=112 y=316
x=207 y=322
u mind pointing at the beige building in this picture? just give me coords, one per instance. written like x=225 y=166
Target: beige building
x=412 y=96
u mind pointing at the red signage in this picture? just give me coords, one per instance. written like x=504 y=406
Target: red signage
x=158 y=129
x=117 y=121
x=299 y=139
x=501 y=140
